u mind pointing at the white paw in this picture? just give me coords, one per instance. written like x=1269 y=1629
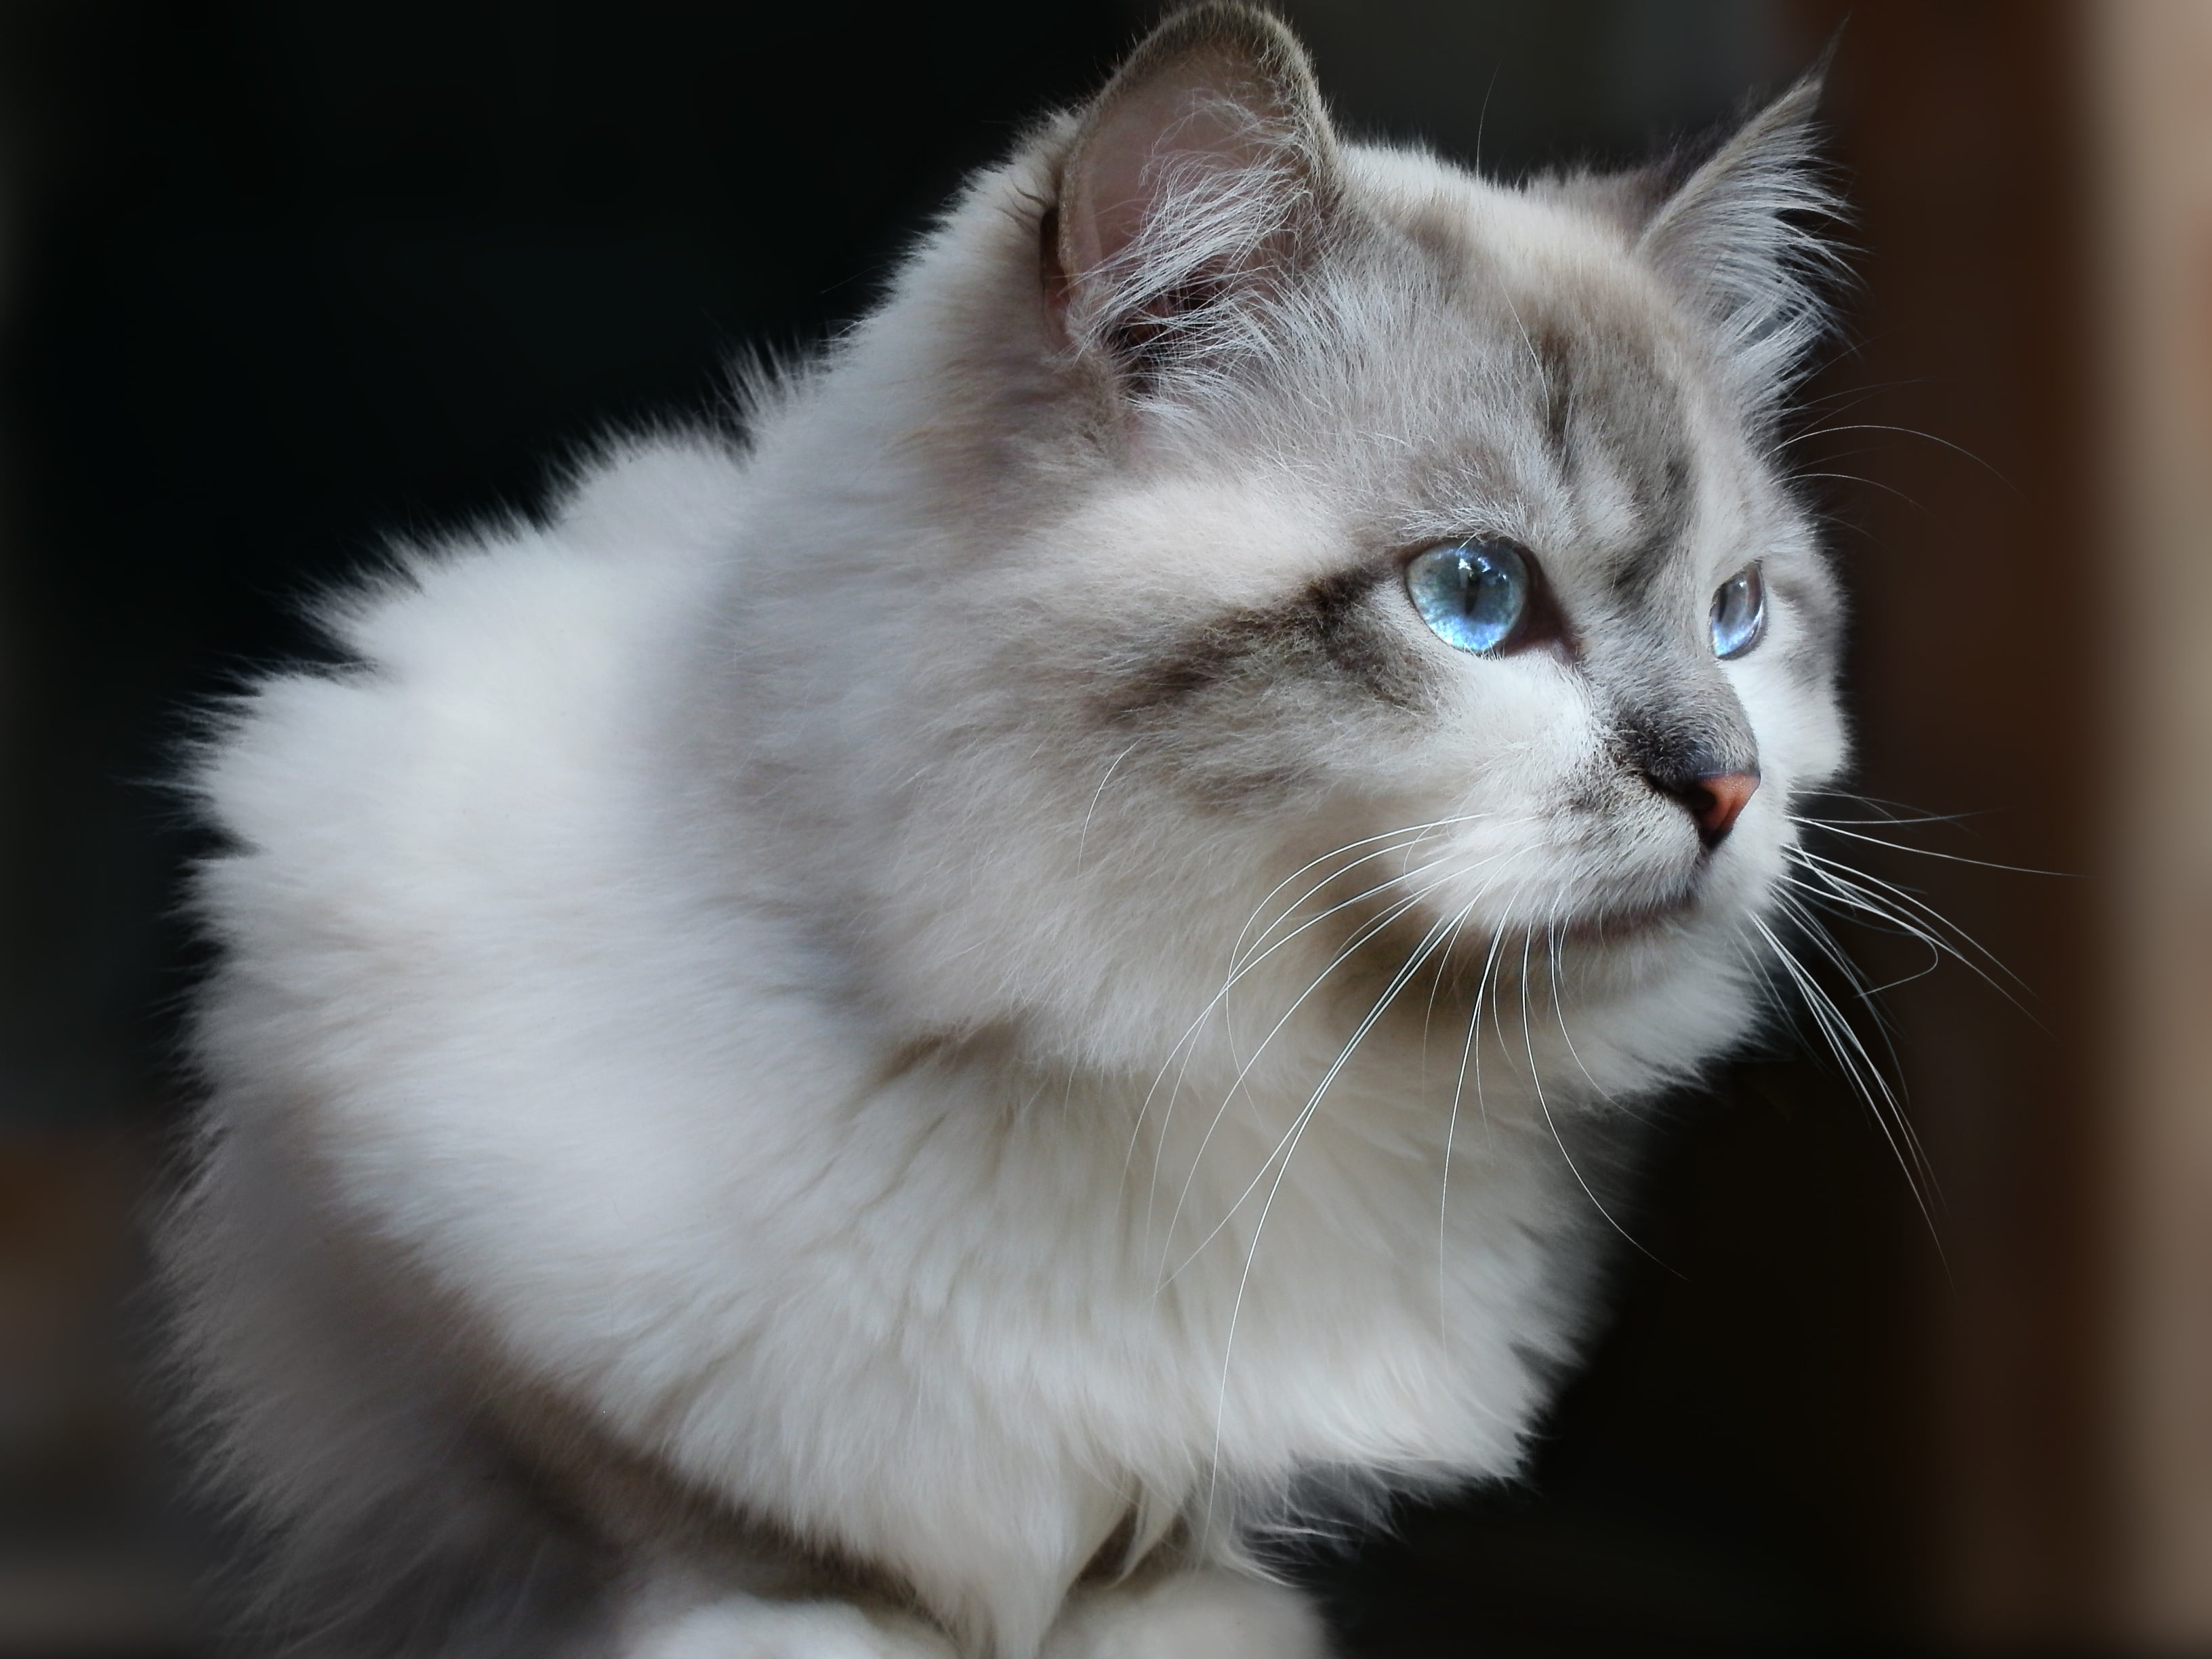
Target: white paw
x=1192 y=1615
x=744 y=1627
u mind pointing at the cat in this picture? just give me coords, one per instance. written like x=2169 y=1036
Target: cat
x=922 y=1034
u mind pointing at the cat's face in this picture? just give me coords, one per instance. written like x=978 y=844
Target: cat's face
x=1388 y=499
x=1477 y=556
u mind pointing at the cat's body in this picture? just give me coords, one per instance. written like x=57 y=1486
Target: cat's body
x=853 y=1033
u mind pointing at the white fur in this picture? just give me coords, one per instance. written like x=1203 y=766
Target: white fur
x=714 y=966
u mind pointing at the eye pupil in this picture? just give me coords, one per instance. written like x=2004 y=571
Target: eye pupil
x=1739 y=613
x=1472 y=594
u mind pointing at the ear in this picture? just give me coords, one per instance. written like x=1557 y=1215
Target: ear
x=1737 y=237
x=1196 y=182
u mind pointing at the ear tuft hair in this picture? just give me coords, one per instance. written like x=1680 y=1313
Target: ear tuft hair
x=1196 y=182
x=1739 y=236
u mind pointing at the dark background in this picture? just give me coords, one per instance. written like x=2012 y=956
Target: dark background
x=280 y=281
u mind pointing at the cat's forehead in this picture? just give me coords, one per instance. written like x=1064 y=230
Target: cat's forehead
x=1509 y=365
x=1544 y=255
x=1533 y=303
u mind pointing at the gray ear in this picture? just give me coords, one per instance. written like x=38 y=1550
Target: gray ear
x=1736 y=236
x=1196 y=182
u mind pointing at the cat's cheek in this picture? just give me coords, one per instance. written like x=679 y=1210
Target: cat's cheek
x=1525 y=722
x=1789 y=687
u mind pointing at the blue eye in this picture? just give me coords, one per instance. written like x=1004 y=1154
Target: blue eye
x=1472 y=593
x=1739 y=613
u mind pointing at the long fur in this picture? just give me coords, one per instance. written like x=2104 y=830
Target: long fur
x=911 y=1037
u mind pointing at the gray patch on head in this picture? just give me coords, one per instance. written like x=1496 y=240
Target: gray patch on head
x=1607 y=404
x=1326 y=635
x=1555 y=362
x=1233 y=705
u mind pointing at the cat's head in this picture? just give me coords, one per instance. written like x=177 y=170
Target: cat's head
x=1267 y=493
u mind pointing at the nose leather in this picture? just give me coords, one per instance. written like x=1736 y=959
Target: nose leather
x=1714 y=800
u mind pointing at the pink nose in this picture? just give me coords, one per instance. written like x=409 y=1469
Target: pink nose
x=1716 y=800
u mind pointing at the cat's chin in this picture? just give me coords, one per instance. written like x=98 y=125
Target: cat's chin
x=1635 y=923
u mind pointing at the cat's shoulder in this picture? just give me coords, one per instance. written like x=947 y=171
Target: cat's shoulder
x=528 y=618
x=490 y=689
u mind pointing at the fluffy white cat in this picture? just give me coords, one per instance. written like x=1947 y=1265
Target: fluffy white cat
x=900 y=1039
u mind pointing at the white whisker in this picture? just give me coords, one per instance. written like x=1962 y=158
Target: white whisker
x=1186 y=1045
x=1284 y=1150
x=1536 y=1082
x=1836 y=826
x=1472 y=1050
x=1852 y=888
x=1849 y=970
x=1873 y=1087
x=1369 y=931
x=1238 y=970
x=1084 y=838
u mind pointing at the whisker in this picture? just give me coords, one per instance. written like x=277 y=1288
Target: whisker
x=1084 y=838
x=1237 y=1083
x=1802 y=898
x=1528 y=940
x=1845 y=1043
x=1285 y=1149
x=1487 y=888
x=1417 y=831
x=1909 y=432
x=1870 y=484
x=1843 y=963
x=1472 y=1049
x=1937 y=929
x=1835 y=826
x=1238 y=971
x=1799 y=909
x=1859 y=394
x=1369 y=931
x=1559 y=1013
x=1892 y=811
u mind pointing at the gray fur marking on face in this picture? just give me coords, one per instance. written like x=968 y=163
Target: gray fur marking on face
x=1611 y=414
x=1327 y=634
